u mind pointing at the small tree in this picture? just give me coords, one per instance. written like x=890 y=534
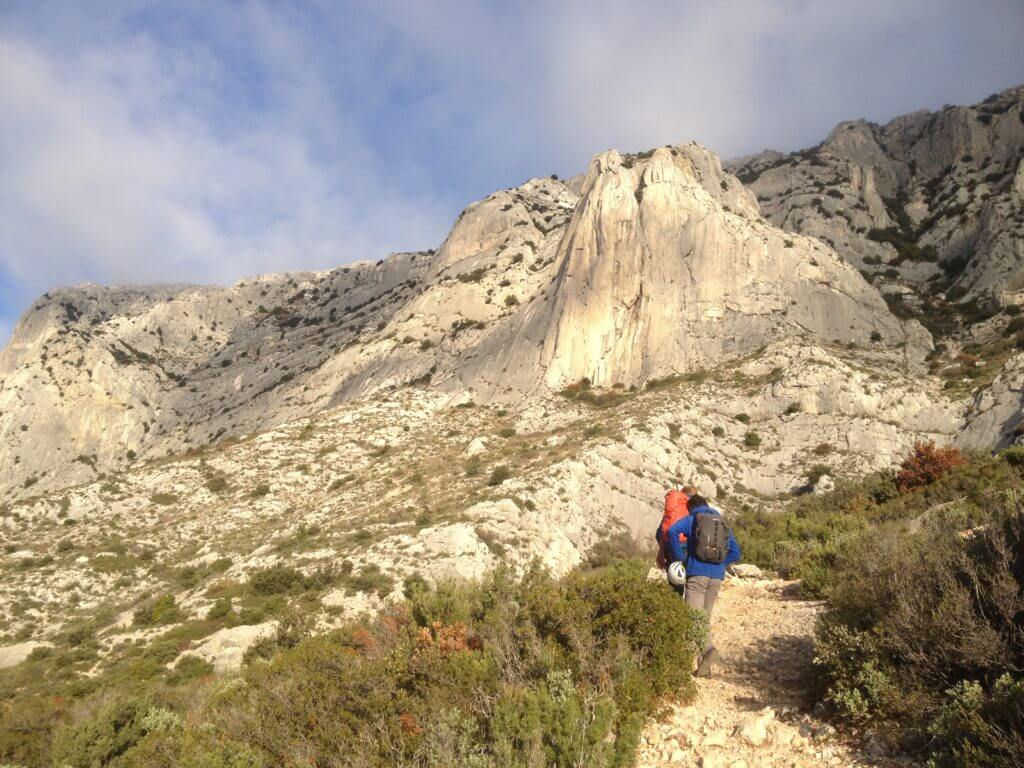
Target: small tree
x=926 y=464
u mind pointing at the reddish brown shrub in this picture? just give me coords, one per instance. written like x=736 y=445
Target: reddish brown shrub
x=409 y=724
x=927 y=463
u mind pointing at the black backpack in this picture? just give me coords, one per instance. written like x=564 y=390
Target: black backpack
x=710 y=538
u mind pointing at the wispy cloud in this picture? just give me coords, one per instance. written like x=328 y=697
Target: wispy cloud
x=206 y=141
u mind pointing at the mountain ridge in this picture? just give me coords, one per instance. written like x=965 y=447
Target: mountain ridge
x=497 y=312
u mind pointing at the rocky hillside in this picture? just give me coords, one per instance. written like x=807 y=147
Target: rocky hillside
x=409 y=485
x=931 y=201
x=651 y=265
x=524 y=391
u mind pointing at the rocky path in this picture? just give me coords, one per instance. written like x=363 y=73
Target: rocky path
x=753 y=712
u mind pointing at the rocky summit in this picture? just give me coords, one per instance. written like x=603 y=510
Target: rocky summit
x=536 y=381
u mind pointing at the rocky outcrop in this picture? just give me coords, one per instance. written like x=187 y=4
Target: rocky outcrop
x=926 y=197
x=996 y=416
x=409 y=484
x=666 y=266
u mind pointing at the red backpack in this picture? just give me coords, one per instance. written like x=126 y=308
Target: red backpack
x=675 y=508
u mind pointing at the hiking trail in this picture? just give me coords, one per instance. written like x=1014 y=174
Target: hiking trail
x=754 y=710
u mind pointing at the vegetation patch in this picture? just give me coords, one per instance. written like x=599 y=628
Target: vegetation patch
x=531 y=671
x=920 y=570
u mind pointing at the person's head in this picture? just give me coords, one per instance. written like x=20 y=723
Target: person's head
x=696 y=501
x=690 y=490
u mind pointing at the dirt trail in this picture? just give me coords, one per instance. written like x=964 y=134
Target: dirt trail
x=753 y=712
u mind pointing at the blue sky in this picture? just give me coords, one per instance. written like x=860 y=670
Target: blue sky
x=206 y=141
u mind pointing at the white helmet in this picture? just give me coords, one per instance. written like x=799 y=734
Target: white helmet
x=677 y=574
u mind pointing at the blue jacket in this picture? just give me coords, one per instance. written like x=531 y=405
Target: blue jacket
x=680 y=551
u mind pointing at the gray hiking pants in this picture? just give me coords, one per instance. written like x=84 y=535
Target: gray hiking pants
x=701 y=594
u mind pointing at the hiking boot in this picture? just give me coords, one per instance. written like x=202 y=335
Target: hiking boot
x=707 y=660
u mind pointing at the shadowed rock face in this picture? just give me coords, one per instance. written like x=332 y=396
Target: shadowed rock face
x=649 y=265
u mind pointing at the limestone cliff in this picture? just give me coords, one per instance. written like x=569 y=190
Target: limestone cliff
x=929 y=198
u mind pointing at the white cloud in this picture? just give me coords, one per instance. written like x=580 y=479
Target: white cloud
x=112 y=172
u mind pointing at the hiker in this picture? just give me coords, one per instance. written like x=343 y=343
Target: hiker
x=704 y=544
x=675 y=508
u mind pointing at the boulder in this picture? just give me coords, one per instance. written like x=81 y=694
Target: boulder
x=476 y=446
x=746 y=571
x=824 y=484
x=755 y=729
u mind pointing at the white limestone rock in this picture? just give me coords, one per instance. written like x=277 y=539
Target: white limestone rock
x=13 y=655
x=225 y=648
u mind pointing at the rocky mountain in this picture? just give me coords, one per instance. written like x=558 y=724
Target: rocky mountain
x=649 y=266
x=932 y=200
x=525 y=390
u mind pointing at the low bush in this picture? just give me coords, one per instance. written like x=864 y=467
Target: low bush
x=508 y=672
x=162 y=610
x=923 y=629
x=924 y=589
x=817 y=472
x=499 y=475
x=927 y=463
x=280 y=579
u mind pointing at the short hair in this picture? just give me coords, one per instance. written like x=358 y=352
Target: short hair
x=690 y=490
x=697 y=501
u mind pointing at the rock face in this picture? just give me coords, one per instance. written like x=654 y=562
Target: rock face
x=649 y=266
x=666 y=266
x=925 y=197
x=996 y=417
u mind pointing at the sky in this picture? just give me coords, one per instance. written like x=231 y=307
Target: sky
x=197 y=141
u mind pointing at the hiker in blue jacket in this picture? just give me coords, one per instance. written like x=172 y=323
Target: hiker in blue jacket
x=703 y=579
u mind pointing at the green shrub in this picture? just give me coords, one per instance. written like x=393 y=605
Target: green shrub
x=217 y=484
x=162 y=610
x=104 y=730
x=189 y=668
x=260 y=491
x=1014 y=456
x=752 y=439
x=504 y=672
x=274 y=580
x=743 y=418
x=499 y=475
x=921 y=629
x=219 y=609
x=978 y=727
x=488 y=674
x=718 y=432
x=616 y=546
